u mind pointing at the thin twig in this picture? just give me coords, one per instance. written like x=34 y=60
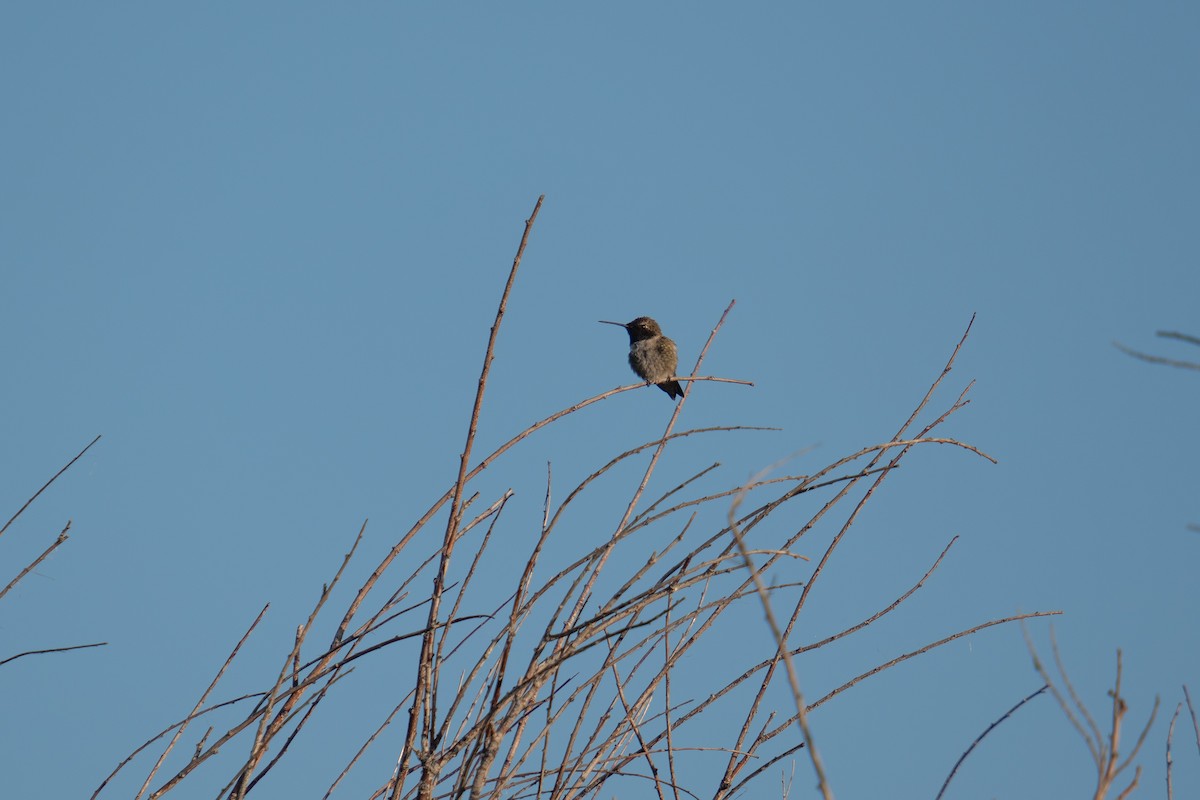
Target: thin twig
x=289 y=709
x=51 y=650
x=979 y=738
x=1183 y=337
x=426 y=668
x=363 y=749
x=781 y=650
x=1170 y=735
x=46 y=486
x=894 y=605
x=1075 y=698
x=197 y=757
x=1192 y=711
x=1105 y=752
x=199 y=703
x=829 y=550
x=1093 y=745
x=62 y=537
x=927 y=648
x=1170 y=362
x=710 y=378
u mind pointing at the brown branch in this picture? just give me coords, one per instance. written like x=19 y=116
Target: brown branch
x=1095 y=741
x=828 y=554
x=1192 y=711
x=426 y=683
x=894 y=605
x=494 y=512
x=937 y=382
x=195 y=709
x=628 y=453
x=632 y=717
x=289 y=710
x=927 y=648
x=196 y=758
x=669 y=659
x=735 y=789
x=397 y=548
x=1171 y=735
x=363 y=749
x=596 y=667
x=62 y=537
x=1075 y=698
x=781 y=651
x=1105 y=751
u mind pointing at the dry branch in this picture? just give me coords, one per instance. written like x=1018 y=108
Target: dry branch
x=1104 y=749
x=575 y=675
x=46 y=485
x=1170 y=362
x=981 y=736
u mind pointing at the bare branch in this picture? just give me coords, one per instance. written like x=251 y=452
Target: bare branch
x=1170 y=362
x=46 y=485
x=51 y=650
x=979 y=738
x=1192 y=711
x=62 y=537
x=782 y=651
x=1182 y=337
x=1171 y=735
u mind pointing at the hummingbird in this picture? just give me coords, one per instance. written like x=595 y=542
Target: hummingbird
x=651 y=355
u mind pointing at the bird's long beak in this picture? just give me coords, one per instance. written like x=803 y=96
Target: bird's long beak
x=606 y=322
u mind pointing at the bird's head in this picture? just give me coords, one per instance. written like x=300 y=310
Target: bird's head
x=640 y=328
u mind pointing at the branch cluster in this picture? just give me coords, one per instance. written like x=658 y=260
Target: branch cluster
x=556 y=689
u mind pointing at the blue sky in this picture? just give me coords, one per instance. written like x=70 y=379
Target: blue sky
x=259 y=250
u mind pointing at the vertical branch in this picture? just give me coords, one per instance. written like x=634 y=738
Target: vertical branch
x=668 y=727
x=1105 y=751
x=423 y=695
x=781 y=650
x=1170 y=762
x=1192 y=711
x=464 y=460
x=1119 y=708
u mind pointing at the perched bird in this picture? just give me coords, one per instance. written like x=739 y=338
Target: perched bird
x=652 y=355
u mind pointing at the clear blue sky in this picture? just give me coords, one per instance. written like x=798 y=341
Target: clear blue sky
x=259 y=248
